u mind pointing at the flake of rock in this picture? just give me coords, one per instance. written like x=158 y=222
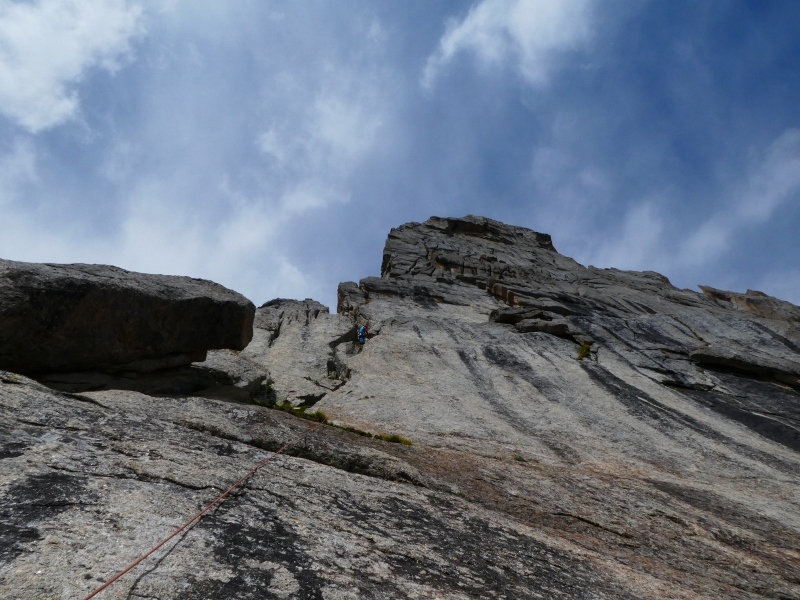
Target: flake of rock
x=56 y=318
x=757 y=303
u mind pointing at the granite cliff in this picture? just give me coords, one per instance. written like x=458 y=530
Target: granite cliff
x=576 y=433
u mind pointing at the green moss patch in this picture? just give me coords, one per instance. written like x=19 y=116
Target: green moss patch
x=393 y=438
x=584 y=351
x=320 y=417
x=317 y=416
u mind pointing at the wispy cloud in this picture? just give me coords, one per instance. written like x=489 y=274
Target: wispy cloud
x=207 y=170
x=526 y=32
x=312 y=151
x=648 y=237
x=48 y=45
x=271 y=145
x=781 y=283
x=772 y=181
x=17 y=166
x=639 y=244
x=23 y=237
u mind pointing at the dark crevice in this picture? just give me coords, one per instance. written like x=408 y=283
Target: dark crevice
x=338 y=458
x=593 y=524
x=134 y=477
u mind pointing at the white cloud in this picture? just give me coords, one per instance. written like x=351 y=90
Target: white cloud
x=707 y=242
x=346 y=124
x=236 y=250
x=23 y=236
x=638 y=244
x=309 y=195
x=527 y=32
x=649 y=238
x=573 y=197
x=774 y=181
x=334 y=130
x=163 y=189
x=782 y=284
x=154 y=236
x=314 y=150
x=271 y=145
x=16 y=168
x=771 y=182
x=46 y=46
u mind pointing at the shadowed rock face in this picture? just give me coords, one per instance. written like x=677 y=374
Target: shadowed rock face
x=578 y=433
x=95 y=317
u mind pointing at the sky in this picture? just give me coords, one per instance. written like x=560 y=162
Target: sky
x=270 y=146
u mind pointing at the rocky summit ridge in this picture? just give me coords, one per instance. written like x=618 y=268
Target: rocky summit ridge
x=574 y=432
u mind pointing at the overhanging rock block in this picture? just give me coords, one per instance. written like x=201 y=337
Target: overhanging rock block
x=73 y=317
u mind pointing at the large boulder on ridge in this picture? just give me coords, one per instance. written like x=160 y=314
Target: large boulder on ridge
x=74 y=317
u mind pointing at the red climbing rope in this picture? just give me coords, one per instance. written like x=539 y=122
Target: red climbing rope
x=196 y=517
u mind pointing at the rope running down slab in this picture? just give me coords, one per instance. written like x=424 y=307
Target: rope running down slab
x=197 y=516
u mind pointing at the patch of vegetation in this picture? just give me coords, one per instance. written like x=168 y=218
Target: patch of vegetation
x=317 y=416
x=393 y=438
x=526 y=461
x=360 y=432
x=320 y=417
x=584 y=351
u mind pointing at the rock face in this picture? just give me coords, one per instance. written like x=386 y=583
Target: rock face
x=295 y=339
x=90 y=482
x=655 y=426
x=492 y=282
x=94 y=317
x=577 y=433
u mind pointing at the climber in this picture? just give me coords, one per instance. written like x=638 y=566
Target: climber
x=361 y=333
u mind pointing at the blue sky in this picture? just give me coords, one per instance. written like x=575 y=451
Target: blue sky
x=270 y=146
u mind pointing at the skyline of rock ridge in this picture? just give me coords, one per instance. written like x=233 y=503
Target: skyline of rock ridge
x=570 y=432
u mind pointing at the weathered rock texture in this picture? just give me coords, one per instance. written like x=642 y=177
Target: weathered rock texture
x=578 y=433
x=656 y=426
x=298 y=340
x=89 y=482
x=95 y=317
